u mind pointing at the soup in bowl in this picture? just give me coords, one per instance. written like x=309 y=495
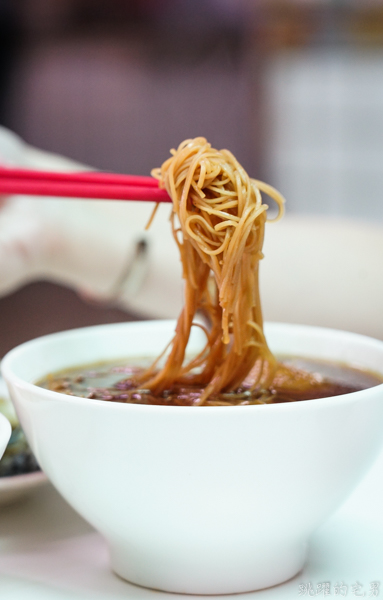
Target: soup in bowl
x=199 y=499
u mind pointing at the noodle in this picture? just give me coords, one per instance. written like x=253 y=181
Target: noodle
x=220 y=235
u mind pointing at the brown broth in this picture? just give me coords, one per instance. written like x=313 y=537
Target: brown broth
x=296 y=379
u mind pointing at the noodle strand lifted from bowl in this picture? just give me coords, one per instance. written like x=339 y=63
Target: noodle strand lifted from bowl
x=220 y=236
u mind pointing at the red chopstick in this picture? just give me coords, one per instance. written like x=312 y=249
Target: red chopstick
x=81 y=185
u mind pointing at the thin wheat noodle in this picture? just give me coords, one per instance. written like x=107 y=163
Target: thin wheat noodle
x=222 y=218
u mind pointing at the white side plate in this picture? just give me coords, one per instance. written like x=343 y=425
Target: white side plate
x=15 y=487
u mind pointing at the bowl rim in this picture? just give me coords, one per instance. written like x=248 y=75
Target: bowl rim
x=9 y=375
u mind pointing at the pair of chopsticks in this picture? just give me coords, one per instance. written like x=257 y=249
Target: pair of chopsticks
x=107 y=186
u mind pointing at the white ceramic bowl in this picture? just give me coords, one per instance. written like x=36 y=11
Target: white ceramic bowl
x=5 y=433
x=199 y=500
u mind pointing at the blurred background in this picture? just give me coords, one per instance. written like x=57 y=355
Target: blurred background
x=294 y=88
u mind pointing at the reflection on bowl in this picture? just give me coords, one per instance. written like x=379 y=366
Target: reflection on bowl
x=199 y=500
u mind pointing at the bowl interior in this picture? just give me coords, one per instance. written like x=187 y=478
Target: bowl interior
x=88 y=345
x=34 y=360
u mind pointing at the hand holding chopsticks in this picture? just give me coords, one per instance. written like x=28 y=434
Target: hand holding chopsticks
x=81 y=185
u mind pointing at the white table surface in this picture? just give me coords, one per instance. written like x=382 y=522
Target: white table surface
x=48 y=552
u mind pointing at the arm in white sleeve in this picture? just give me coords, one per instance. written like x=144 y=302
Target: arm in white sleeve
x=99 y=248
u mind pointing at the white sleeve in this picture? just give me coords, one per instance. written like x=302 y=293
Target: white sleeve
x=100 y=248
